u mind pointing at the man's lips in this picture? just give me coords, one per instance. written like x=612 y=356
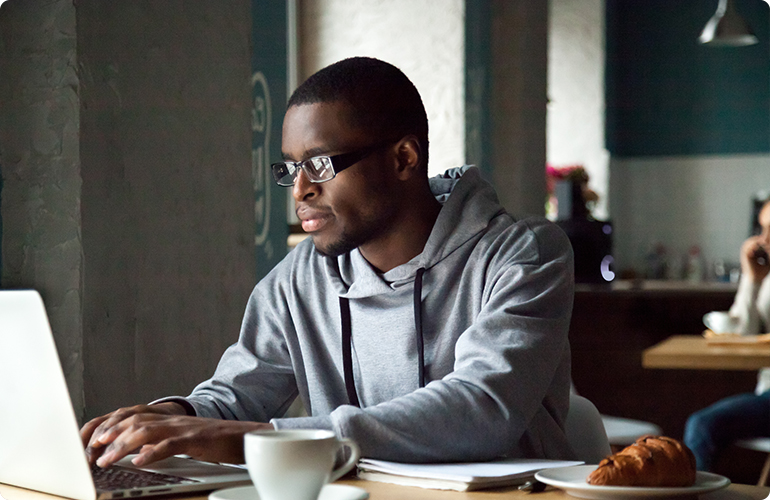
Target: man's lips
x=313 y=220
x=312 y=225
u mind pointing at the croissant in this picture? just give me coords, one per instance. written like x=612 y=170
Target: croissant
x=650 y=461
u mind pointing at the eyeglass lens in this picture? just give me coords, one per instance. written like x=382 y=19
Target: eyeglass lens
x=316 y=169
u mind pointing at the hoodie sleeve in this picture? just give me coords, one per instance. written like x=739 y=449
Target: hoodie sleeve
x=508 y=392
x=254 y=379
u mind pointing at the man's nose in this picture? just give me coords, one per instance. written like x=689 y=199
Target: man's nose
x=303 y=188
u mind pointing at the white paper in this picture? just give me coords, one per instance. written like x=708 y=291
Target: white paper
x=466 y=472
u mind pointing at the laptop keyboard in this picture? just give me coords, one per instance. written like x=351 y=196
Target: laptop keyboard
x=121 y=478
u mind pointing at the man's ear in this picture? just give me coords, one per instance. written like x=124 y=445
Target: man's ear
x=410 y=156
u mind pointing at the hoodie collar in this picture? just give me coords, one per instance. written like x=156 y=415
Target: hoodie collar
x=470 y=204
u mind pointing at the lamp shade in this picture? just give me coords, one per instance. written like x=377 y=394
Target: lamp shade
x=727 y=28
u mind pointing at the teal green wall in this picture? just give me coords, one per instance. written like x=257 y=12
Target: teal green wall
x=269 y=50
x=668 y=95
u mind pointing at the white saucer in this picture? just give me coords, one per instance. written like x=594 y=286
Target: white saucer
x=328 y=492
x=573 y=481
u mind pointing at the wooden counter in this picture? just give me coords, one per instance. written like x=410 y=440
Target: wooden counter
x=660 y=287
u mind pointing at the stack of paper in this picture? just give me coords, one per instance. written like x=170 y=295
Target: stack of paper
x=457 y=476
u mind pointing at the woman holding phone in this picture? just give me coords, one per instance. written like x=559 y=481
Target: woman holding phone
x=709 y=431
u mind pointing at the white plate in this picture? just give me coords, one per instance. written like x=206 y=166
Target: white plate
x=328 y=492
x=573 y=481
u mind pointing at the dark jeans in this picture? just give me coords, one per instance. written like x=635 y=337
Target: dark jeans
x=710 y=430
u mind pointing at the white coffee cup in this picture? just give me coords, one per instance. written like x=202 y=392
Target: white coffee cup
x=295 y=464
x=720 y=322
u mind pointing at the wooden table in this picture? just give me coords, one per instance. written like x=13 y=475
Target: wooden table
x=382 y=491
x=691 y=352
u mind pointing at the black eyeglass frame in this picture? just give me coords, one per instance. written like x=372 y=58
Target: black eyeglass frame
x=338 y=163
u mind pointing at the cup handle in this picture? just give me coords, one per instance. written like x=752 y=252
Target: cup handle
x=355 y=454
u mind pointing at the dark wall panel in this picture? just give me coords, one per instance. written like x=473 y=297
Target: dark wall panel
x=668 y=95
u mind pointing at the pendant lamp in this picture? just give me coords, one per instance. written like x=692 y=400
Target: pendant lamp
x=727 y=28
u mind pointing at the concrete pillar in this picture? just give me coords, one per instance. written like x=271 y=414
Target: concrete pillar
x=506 y=96
x=518 y=103
x=127 y=199
x=40 y=165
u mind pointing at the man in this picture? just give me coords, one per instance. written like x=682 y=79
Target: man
x=710 y=431
x=420 y=320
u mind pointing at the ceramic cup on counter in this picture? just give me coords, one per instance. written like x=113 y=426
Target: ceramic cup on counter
x=720 y=322
x=295 y=464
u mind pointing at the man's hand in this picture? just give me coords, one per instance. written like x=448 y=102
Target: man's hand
x=750 y=264
x=97 y=433
x=163 y=430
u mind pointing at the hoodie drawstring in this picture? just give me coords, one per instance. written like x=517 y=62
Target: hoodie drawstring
x=347 y=357
x=347 y=346
x=418 y=326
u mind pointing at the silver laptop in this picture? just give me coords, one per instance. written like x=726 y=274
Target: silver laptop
x=40 y=446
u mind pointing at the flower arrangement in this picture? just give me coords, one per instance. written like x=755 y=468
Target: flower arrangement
x=575 y=174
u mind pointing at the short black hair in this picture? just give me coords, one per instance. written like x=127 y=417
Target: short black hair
x=382 y=99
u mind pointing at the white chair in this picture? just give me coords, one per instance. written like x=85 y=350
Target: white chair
x=758 y=444
x=622 y=432
x=585 y=430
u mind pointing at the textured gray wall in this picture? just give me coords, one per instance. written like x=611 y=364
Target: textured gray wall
x=125 y=149
x=684 y=201
x=168 y=223
x=39 y=159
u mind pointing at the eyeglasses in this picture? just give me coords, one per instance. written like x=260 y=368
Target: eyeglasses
x=320 y=168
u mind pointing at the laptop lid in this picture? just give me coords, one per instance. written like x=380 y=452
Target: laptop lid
x=40 y=447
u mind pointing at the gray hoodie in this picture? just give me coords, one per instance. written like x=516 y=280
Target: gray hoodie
x=495 y=300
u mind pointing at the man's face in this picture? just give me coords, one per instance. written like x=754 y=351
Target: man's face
x=355 y=207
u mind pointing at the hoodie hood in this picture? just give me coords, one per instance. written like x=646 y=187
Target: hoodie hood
x=468 y=202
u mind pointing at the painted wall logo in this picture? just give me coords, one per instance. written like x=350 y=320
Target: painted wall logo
x=261 y=122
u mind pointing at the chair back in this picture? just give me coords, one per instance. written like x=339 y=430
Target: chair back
x=622 y=432
x=759 y=444
x=585 y=431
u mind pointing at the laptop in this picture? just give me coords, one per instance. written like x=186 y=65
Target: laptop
x=40 y=446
